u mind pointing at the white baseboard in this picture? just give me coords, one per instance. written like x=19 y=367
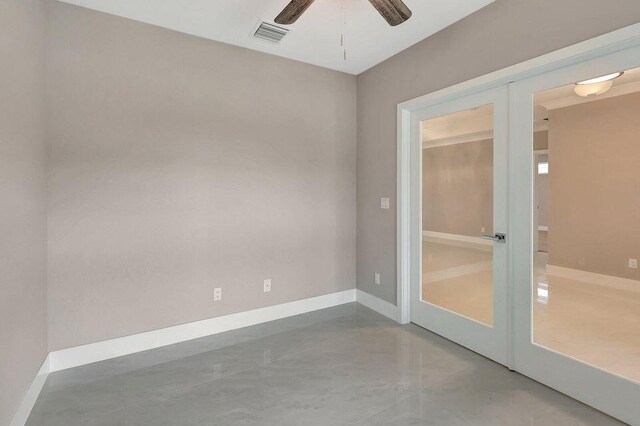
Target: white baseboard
x=456 y=237
x=24 y=410
x=380 y=306
x=593 y=278
x=100 y=351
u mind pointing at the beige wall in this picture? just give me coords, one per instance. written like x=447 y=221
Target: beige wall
x=502 y=34
x=180 y=164
x=594 y=183
x=23 y=333
x=457 y=188
x=541 y=140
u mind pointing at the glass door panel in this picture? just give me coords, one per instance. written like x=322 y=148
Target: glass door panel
x=457 y=209
x=586 y=283
x=575 y=156
x=459 y=205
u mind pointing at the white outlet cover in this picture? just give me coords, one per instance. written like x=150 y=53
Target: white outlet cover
x=376 y=278
x=267 y=285
x=384 y=203
x=633 y=263
x=217 y=294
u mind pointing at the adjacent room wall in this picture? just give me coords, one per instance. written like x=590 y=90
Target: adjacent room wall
x=594 y=186
x=457 y=188
x=23 y=329
x=541 y=183
x=541 y=140
x=180 y=164
x=504 y=33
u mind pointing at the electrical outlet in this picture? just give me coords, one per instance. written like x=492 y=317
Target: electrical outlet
x=217 y=294
x=384 y=203
x=376 y=278
x=267 y=286
x=483 y=229
x=633 y=263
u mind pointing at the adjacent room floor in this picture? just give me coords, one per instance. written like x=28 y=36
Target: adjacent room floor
x=340 y=366
x=593 y=323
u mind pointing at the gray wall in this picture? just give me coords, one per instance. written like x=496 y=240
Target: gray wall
x=504 y=33
x=178 y=165
x=23 y=332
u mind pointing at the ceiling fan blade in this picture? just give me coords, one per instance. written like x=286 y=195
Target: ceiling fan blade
x=395 y=12
x=292 y=12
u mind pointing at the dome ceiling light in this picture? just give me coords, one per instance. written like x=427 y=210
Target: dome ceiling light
x=596 y=86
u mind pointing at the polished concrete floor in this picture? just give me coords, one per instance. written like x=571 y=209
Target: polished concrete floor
x=594 y=323
x=340 y=366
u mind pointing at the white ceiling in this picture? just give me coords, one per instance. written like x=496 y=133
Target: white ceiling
x=315 y=38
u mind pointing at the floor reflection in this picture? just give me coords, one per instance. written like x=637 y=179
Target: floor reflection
x=593 y=323
x=459 y=277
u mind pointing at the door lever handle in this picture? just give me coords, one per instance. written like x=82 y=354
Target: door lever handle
x=497 y=237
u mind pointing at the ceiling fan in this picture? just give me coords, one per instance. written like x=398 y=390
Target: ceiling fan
x=395 y=12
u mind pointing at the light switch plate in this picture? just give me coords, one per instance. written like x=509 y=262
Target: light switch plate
x=267 y=285
x=384 y=203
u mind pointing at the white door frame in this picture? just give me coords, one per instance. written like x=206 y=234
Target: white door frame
x=597 y=47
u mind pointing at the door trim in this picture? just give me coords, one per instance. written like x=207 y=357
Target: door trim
x=606 y=44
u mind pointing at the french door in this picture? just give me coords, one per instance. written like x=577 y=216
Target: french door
x=459 y=256
x=555 y=296
x=577 y=303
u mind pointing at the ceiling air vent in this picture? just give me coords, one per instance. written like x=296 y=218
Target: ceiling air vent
x=270 y=32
